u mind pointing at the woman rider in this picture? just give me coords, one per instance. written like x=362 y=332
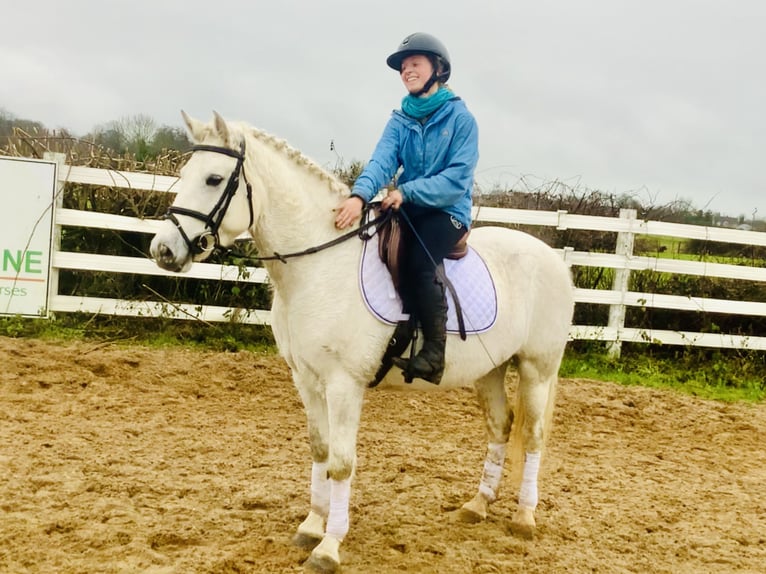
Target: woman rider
x=433 y=140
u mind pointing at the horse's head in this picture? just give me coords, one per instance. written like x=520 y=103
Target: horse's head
x=213 y=204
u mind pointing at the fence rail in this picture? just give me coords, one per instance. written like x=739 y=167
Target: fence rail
x=617 y=299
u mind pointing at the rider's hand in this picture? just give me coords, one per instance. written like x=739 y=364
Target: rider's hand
x=348 y=211
x=393 y=200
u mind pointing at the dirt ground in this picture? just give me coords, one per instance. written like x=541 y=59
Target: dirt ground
x=117 y=459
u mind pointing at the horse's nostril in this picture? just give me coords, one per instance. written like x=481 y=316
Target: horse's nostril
x=165 y=252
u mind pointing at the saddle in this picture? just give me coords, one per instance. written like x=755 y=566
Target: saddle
x=471 y=277
x=390 y=247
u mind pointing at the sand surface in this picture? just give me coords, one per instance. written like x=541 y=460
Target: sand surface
x=128 y=459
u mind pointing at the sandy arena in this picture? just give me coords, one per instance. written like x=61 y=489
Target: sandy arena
x=132 y=460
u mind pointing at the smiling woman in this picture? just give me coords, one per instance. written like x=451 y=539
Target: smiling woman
x=433 y=140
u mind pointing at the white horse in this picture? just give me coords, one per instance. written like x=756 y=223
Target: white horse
x=239 y=178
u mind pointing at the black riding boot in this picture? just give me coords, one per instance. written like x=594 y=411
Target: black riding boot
x=428 y=364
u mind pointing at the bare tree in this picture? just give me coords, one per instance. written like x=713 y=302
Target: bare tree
x=139 y=129
x=131 y=134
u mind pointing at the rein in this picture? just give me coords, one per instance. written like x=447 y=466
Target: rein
x=362 y=232
x=208 y=240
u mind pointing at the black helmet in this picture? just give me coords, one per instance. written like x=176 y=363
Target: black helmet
x=421 y=43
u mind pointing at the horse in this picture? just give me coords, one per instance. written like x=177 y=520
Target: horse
x=241 y=179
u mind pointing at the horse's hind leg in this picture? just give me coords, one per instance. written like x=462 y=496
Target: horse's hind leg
x=534 y=410
x=493 y=400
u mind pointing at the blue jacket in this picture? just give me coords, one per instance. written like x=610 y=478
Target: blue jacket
x=438 y=160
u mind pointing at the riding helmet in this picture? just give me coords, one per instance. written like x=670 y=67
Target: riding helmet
x=426 y=44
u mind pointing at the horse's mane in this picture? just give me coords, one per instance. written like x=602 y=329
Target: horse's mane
x=280 y=145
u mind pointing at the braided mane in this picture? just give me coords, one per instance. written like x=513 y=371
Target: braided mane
x=280 y=145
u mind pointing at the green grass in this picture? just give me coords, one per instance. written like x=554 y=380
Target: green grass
x=151 y=332
x=724 y=375
x=663 y=247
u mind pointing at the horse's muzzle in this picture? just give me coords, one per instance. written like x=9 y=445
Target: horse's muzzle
x=168 y=258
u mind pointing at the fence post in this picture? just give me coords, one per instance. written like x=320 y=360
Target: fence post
x=625 y=240
x=58 y=202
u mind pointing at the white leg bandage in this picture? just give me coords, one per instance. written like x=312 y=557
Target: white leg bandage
x=337 y=521
x=320 y=489
x=493 y=471
x=528 y=491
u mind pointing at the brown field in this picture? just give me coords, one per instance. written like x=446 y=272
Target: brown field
x=118 y=459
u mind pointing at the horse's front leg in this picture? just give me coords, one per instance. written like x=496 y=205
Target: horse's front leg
x=311 y=530
x=343 y=399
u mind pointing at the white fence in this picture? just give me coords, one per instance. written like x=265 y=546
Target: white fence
x=618 y=299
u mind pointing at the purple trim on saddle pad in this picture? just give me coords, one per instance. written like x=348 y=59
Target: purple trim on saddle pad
x=469 y=275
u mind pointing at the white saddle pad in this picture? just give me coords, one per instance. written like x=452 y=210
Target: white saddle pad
x=469 y=275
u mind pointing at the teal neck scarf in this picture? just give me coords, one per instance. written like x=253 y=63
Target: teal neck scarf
x=420 y=108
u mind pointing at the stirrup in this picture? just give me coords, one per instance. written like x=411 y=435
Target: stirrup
x=404 y=365
x=434 y=376
x=404 y=335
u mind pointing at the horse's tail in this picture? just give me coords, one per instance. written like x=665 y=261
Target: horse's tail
x=520 y=415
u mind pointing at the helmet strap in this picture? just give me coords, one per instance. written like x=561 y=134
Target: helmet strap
x=427 y=86
x=436 y=76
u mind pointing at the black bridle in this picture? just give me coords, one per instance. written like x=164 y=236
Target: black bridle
x=208 y=240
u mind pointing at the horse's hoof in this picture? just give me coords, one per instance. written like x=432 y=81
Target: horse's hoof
x=523 y=523
x=325 y=558
x=310 y=532
x=323 y=565
x=306 y=541
x=473 y=511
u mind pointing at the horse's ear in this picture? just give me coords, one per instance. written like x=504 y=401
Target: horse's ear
x=196 y=128
x=221 y=128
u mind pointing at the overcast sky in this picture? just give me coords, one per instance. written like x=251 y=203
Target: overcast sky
x=662 y=98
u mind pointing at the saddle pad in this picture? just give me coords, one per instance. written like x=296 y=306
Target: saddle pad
x=469 y=275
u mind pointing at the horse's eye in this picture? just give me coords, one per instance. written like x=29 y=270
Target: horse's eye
x=214 y=180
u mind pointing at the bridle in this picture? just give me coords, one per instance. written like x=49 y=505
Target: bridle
x=208 y=240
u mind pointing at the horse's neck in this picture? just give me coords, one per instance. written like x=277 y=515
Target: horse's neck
x=295 y=203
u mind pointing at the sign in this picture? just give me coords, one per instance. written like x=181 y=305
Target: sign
x=27 y=191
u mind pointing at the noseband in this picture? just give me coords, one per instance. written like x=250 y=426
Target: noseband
x=208 y=239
